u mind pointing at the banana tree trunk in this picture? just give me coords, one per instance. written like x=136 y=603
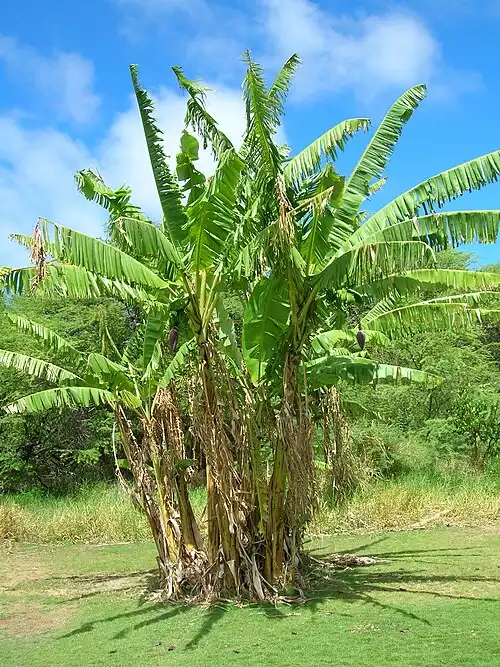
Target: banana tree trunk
x=234 y=532
x=275 y=529
x=292 y=484
x=160 y=490
x=337 y=447
x=222 y=483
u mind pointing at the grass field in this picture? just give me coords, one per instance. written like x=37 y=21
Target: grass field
x=434 y=601
x=103 y=513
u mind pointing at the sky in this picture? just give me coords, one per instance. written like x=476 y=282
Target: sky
x=67 y=103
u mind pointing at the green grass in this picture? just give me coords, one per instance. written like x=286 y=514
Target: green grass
x=93 y=514
x=102 y=514
x=435 y=602
x=420 y=499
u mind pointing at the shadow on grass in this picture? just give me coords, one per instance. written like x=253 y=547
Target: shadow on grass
x=357 y=584
x=423 y=556
x=82 y=586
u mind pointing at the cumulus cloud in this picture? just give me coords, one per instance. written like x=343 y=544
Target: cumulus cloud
x=366 y=54
x=37 y=166
x=36 y=179
x=64 y=81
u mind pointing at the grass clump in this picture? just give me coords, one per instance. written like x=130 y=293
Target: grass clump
x=104 y=514
x=416 y=500
x=93 y=514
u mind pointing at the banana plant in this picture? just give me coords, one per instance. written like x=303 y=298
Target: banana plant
x=324 y=244
x=138 y=385
x=178 y=265
x=290 y=238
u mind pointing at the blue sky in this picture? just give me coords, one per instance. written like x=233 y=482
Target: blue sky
x=66 y=98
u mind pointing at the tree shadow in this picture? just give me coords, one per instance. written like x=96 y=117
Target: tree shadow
x=353 y=584
x=212 y=616
x=361 y=584
x=366 y=550
x=165 y=615
x=104 y=576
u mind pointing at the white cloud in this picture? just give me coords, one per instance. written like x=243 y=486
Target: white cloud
x=64 y=81
x=366 y=54
x=123 y=154
x=37 y=166
x=357 y=52
x=36 y=179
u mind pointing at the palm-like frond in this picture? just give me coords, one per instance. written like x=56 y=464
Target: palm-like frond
x=278 y=91
x=17 y=281
x=117 y=202
x=227 y=333
x=363 y=262
x=425 y=279
x=149 y=242
x=309 y=160
x=247 y=257
x=153 y=332
x=99 y=257
x=327 y=340
x=29 y=241
x=109 y=373
x=36 y=367
x=377 y=186
x=461 y=226
x=148 y=378
x=376 y=155
x=61 y=397
x=50 y=339
x=436 y=229
x=194 y=181
x=320 y=232
x=198 y=117
x=76 y=282
x=328 y=371
x=180 y=358
x=108 y=345
x=449 y=312
x=438 y=190
x=212 y=216
x=322 y=344
x=264 y=324
x=262 y=122
x=174 y=217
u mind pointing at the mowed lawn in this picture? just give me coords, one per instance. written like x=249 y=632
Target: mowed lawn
x=435 y=601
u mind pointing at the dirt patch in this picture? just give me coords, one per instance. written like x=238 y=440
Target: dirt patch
x=20 y=568
x=29 y=618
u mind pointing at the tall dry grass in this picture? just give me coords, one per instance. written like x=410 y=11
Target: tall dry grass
x=104 y=514
x=92 y=515
x=419 y=500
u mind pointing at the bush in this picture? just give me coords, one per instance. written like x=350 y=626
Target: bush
x=386 y=450
x=61 y=448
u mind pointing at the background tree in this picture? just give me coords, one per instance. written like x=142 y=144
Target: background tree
x=58 y=449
